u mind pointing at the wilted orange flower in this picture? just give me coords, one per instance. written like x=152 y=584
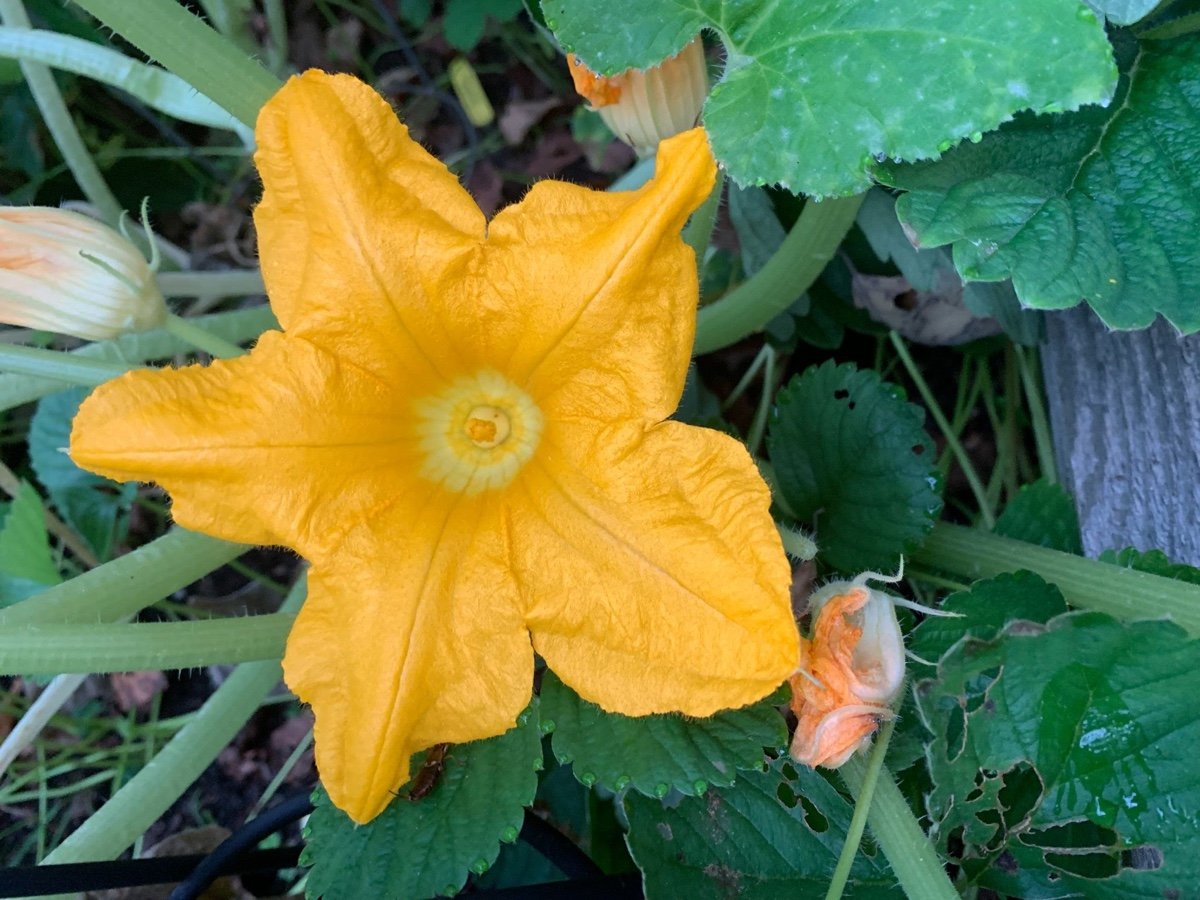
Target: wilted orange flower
x=852 y=671
x=462 y=427
x=645 y=106
x=65 y=272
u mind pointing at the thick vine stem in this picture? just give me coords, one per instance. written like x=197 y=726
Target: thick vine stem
x=1086 y=583
x=127 y=584
x=65 y=368
x=136 y=806
x=182 y=43
x=46 y=650
x=804 y=253
x=912 y=857
x=215 y=346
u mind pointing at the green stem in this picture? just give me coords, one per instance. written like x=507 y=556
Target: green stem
x=48 y=650
x=117 y=824
x=796 y=543
x=758 y=426
x=697 y=234
x=126 y=584
x=1037 y=416
x=956 y=447
x=187 y=330
x=166 y=32
x=239 y=325
x=802 y=256
x=1087 y=583
x=236 y=283
x=912 y=857
x=61 y=367
x=62 y=127
x=862 y=806
x=747 y=379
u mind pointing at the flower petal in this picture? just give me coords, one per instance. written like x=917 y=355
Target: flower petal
x=276 y=447
x=659 y=584
x=602 y=290
x=403 y=644
x=361 y=232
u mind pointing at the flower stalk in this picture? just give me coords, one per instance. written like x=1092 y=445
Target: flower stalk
x=800 y=259
x=198 y=337
x=64 y=368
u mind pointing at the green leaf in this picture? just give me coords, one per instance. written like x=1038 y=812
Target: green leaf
x=1060 y=748
x=932 y=270
x=814 y=93
x=465 y=20
x=26 y=563
x=1042 y=513
x=95 y=507
x=852 y=457
x=1153 y=561
x=777 y=834
x=426 y=847
x=415 y=12
x=1102 y=204
x=758 y=230
x=985 y=610
x=654 y=754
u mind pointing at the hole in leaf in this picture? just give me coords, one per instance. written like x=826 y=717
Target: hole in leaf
x=851 y=405
x=918 y=449
x=786 y=795
x=841 y=394
x=1082 y=835
x=956 y=733
x=1021 y=793
x=978 y=686
x=1085 y=865
x=906 y=301
x=813 y=817
x=1143 y=858
x=789 y=771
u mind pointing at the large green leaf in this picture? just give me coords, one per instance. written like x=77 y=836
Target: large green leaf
x=776 y=834
x=1063 y=758
x=426 y=847
x=814 y=93
x=95 y=507
x=654 y=754
x=851 y=455
x=1101 y=205
x=1153 y=561
x=1042 y=513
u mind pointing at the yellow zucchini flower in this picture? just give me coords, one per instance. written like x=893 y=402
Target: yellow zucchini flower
x=462 y=426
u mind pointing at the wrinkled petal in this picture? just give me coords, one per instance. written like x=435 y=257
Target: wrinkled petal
x=410 y=637
x=287 y=445
x=660 y=584
x=601 y=291
x=831 y=739
x=362 y=233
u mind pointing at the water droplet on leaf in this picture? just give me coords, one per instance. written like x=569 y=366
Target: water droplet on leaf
x=546 y=726
x=509 y=834
x=944 y=146
x=700 y=785
x=976 y=137
x=587 y=779
x=480 y=866
x=660 y=790
x=623 y=782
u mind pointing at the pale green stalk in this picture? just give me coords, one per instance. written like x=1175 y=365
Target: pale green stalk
x=1037 y=416
x=34 y=719
x=47 y=650
x=802 y=256
x=62 y=127
x=65 y=368
x=912 y=857
x=952 y=441
x=862 y=806
x=136 y=806
x=126 y=584
x=235 y=283
x=758 y=426
x=187 y=330
x=697 y=234
x=1086 y=583
x=178 y=40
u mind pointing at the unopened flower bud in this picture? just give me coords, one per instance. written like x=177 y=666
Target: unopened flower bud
x=851 y=673
x=64 y=272
x=645 y=106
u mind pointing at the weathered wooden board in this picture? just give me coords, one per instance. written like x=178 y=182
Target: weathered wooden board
x=1125 y=411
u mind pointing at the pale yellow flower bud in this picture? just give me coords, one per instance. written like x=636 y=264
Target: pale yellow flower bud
x=64 y=272
x=643 y=107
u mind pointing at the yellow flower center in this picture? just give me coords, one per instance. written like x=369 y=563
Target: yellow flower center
x=477 y=433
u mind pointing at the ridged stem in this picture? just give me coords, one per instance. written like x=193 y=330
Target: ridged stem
x=65 y=368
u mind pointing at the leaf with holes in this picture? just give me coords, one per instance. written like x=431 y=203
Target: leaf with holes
x=1101 y=205
x=851 y=457
x=426 y=847
x=814 y=93
x=1062 y=758
x=655 y=754
x=776 y=834
x=1042 y=513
